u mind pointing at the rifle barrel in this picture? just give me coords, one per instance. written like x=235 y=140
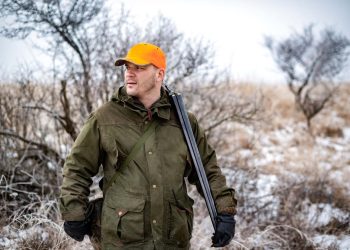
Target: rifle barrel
x=192 y=146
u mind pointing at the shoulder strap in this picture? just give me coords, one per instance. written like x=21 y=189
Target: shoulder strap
x=149 y=130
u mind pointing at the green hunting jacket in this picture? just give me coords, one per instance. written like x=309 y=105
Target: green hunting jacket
x=147 y=206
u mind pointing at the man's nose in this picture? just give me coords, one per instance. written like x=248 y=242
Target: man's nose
x=130 y=72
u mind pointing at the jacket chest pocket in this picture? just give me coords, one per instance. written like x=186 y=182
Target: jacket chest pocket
x=123 y=221
x=117 y=141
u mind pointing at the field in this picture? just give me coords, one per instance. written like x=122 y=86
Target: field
x=292 y=184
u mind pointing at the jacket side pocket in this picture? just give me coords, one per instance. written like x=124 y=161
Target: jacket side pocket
x=123 y=220
x=179 y=224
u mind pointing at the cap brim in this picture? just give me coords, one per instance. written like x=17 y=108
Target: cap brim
x=137 y=61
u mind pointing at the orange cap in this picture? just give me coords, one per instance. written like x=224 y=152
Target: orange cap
x=144 y=54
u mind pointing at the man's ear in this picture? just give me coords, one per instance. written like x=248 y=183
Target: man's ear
x=160 y=75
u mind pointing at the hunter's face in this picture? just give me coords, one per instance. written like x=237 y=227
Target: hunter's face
x=142 y=81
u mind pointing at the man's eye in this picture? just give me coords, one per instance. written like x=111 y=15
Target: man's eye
x=136 y=68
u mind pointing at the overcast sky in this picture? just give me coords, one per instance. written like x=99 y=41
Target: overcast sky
x=236 y=28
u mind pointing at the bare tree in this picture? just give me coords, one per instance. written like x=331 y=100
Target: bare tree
x=64 y=21
x=86 y=40
x=310 y=64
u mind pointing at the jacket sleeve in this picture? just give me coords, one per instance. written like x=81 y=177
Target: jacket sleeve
x=223 y=195
x=81 y=164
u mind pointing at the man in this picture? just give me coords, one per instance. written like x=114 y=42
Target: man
x=145 y=204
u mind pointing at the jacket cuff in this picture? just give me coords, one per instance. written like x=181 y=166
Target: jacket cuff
x=226 y=204
x=73 y=215
x=228 y=210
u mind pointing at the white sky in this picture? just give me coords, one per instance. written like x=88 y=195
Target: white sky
x=236 y=28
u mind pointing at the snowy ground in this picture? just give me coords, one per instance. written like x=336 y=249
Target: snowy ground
x=280 y=153
x=276 y=167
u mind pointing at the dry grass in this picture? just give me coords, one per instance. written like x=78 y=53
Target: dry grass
x=278 y=169
x=307 y=171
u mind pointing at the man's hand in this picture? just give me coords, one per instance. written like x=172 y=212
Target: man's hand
x=78 y=229
x=225 y=230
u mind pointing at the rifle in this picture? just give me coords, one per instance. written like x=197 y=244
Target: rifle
x=176 y=99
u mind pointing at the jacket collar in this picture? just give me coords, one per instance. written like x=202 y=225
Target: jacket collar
x=161 y=108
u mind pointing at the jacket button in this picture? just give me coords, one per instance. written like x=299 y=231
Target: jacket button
x=154 y=186
x=154 y=221
x=150 y=152
x=120 y=213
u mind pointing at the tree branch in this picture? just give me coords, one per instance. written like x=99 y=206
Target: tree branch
x=45 y=148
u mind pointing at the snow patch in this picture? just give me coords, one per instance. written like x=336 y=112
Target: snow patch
x=322 y=214
x=327 y=241
x=346 y=133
